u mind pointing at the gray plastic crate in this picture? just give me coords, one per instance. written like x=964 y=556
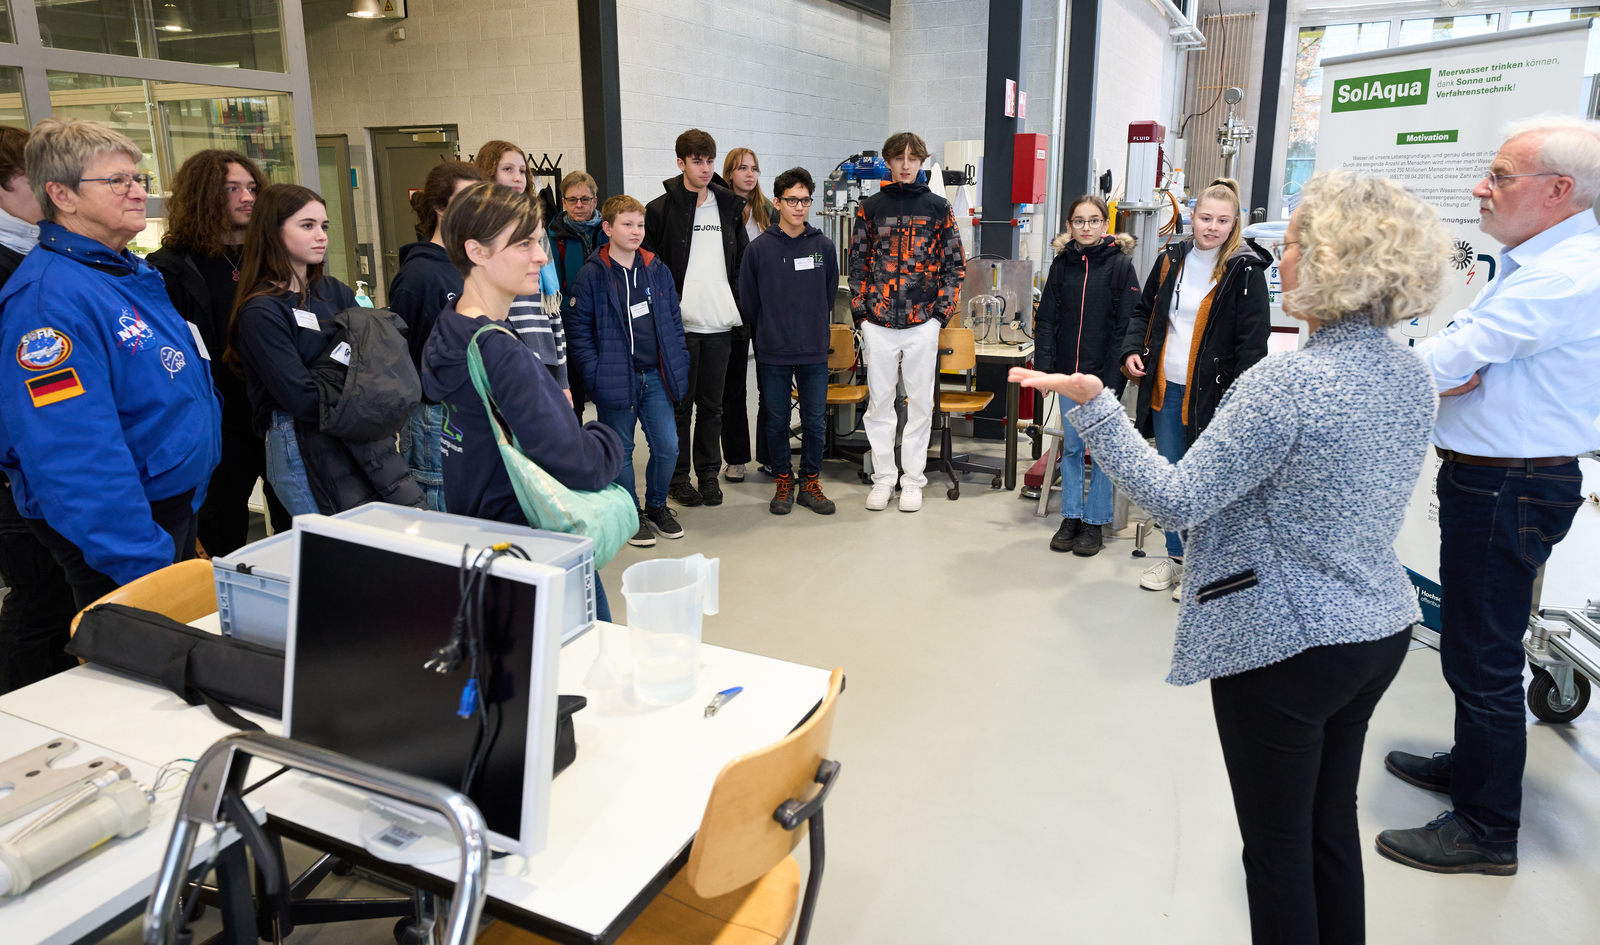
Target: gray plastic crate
x=254 y=604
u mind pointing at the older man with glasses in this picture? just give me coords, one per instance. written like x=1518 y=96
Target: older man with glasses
x=1519 y=374
x=111 y=424
x=575 y=234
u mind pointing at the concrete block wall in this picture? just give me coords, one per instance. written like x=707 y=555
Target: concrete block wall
x=941 y=56
x=800 y=82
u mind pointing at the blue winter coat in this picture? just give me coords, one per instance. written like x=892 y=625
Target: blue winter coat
x=106 y=402
x=600 y=336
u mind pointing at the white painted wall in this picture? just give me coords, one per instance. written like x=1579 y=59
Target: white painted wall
x=1137 y=72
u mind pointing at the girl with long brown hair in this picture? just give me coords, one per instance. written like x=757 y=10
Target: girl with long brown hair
x=741 y=169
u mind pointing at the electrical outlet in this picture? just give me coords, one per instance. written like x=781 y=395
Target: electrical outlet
x=366 y=270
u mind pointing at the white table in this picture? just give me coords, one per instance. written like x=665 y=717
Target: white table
x=621 y=817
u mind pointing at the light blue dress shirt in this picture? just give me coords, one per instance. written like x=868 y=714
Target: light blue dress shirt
x=1533 y=337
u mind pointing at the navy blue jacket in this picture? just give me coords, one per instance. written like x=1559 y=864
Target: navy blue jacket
x=475 y=480
x=789 y=309
x=426 y=282
x=277 y=350
x=107 y=404
x=600 y=333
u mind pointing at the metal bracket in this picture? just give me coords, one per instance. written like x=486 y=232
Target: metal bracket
x=34 y=783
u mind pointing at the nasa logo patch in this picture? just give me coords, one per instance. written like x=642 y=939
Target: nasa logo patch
x=132 y=332
x=43 y=349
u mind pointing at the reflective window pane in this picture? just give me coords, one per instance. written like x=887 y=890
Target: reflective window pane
x=1434 y=29
x=12 y=110
x=259 y=125
x=1317 y=43
x=102 y=26
x=1591 y=64
x=238 y=34
x=7 y=34
x=121 y=105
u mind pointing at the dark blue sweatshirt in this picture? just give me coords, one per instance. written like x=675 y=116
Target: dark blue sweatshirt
x=426 y=282
x=787 y=285
x=640 y=320
x=276 y=348
x=475 y=480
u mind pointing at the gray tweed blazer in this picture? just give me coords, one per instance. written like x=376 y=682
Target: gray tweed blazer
x=1292 y=499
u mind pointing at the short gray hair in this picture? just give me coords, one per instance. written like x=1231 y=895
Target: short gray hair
x=58 y=148
x=1571 y=148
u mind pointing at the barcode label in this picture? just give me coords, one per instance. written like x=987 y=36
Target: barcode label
x=398 y=837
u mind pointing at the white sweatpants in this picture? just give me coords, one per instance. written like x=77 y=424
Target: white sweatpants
x=913 y=352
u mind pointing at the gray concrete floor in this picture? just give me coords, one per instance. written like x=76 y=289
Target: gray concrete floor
x=1015 y=769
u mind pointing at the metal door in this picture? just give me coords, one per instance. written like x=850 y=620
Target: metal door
x=401 y=159
x=333 y=179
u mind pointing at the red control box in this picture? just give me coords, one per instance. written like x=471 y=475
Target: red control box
x=1030 y=163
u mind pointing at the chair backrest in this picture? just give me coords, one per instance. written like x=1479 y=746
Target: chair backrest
x=963 y=352
x=184 y=591
x=739 y=842
x=841 y=348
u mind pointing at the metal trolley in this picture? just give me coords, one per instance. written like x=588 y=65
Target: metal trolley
x=1561 y=671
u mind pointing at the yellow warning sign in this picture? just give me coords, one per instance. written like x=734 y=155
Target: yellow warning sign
x=388 y=6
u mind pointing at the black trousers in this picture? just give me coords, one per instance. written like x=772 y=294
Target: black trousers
x=580 y=393
x=736 y=405
x=225 y=515
x=38 y=607
x=708 y=374
x=1292 y=734
x=174 y=515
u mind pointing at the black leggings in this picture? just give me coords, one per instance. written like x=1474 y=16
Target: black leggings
x=1292 y=734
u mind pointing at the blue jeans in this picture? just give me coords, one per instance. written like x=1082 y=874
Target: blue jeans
x=285 y=469
x=419 y=444
x=1496 y=527
x=1172 y=441
x=651 y=409
x=1097 y=510
x=811 y=380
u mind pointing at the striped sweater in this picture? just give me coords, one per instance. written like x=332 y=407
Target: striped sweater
x=542 y=332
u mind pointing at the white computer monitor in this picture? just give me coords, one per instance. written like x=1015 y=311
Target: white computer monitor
x=367 y=608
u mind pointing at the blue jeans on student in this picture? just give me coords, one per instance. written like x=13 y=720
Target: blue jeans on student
x=286 y=471
x=1097 y=509
x=1172 y=441
x=811 y=380
x=651 y=409
x=419 y=444
x=1496 y=527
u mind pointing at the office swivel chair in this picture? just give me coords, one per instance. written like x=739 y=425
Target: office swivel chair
x=183 y=592
x=741 y=883
x=957 y=352
x=842 y=357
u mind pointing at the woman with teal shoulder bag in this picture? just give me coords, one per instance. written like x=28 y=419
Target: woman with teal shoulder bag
x=513 y=450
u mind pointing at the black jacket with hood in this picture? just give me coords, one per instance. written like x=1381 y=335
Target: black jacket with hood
x=425 y=283
x=1084 y=309
x=187 y=289
x=669 y=228
x=1230 y=334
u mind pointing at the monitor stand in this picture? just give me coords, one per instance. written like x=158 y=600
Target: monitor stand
x=393 y=835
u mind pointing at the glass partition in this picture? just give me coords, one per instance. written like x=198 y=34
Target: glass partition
x=259 y=125
x=12 y=111
x=237 y=34
x=7 y=35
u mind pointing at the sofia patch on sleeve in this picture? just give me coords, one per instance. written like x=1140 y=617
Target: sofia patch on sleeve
x=54 y=388
x=43 y=349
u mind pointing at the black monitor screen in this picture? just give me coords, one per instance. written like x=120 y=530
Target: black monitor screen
x=368 y=621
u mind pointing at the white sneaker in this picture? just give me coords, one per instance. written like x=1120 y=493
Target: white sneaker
x=1162 y=575
x=1177 y=591
x=734 y=472
x=910 y=498
x=878 y=498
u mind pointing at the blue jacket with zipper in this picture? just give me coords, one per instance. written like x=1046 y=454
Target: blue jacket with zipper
x=600 y=331
x=788 y=308
x=107 y=404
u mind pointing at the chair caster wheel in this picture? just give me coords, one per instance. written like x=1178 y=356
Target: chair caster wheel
x=952 y=494
x=866 y=480
x=343 y=868
x=408 y=931
x=995 y=482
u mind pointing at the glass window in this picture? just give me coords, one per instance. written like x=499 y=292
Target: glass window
x=120 y=104
x=259 y=125
x=1434 y=29
x=12 y=110
x=1317 y=43
x=7 y=34
x=238 y=34
x=1591 y=64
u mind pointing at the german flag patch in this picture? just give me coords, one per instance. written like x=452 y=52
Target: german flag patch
x=55 y=387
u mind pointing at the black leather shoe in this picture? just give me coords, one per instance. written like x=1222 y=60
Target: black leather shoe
x=1066 y=534
x=1445 y=845
x=710 y=492
x=1088 y=543
x=684 y=494
x=1432 y=774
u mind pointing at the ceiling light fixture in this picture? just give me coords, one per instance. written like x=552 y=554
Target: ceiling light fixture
x=172 y=20
x=365 y=9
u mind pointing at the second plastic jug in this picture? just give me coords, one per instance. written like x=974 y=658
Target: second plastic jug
x=666 y=600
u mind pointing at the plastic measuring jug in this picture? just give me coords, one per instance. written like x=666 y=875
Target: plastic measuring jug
x=666 y=599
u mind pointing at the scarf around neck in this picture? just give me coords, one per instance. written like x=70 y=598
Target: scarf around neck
x=18 y=235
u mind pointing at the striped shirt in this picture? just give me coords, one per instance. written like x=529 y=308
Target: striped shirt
x=543 y=333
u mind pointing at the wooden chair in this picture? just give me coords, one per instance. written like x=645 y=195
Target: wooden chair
x=841 y=357
x=741 y=884
x=957 y=352
x=184 y=591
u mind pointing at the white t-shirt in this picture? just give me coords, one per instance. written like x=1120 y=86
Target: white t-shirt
x=751 y=229
x=1194 y=284
x=707 y=303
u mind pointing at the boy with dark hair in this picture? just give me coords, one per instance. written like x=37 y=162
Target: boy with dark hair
x=697 y=230
x=906 y=267
x=787 y=283
x=626 y=337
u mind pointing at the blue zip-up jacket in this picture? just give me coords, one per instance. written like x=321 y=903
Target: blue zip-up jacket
x=426 y=282
x=788 y=308
x=475 y=480
x=600 y=333
x=106 y=402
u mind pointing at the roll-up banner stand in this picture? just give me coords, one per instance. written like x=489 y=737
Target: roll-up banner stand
x=1430 y=118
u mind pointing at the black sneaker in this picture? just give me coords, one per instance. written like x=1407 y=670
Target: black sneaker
x=664 y=521
x=783 y=497
x=811 y=496
x=1445 y=845
x=644 y=537
x=684 y=494
x=1066 y=535
x=710 y=492
x=1087 y=544
x=1432 y=774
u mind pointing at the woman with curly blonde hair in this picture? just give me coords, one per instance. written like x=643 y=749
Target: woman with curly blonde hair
x=1295 y=606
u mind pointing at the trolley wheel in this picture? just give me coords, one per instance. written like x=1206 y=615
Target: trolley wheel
x=1544 y=697
x=952 y=493
x=995 y=482
x=407 y=931
x=343 y=868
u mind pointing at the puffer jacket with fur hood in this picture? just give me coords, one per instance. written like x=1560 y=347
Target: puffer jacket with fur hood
x=1084 y=308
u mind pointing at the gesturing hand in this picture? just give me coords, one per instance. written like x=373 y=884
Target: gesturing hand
x=1081 y=388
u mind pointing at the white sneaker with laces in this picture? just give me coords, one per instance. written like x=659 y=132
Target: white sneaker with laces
x=1163 y=574
x=910 y=498
x=734 y=472
x=878 y=498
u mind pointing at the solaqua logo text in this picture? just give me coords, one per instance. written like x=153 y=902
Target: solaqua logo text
x=1389 y=90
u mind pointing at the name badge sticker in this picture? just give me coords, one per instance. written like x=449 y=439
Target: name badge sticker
x=805 y=262
x=199 y=343
x=307 y=319
x=639 y=310
x=341 y=353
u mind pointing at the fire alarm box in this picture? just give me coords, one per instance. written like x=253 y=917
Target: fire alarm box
x=1030 y=161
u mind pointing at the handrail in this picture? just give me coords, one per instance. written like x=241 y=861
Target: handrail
x=216 y=772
